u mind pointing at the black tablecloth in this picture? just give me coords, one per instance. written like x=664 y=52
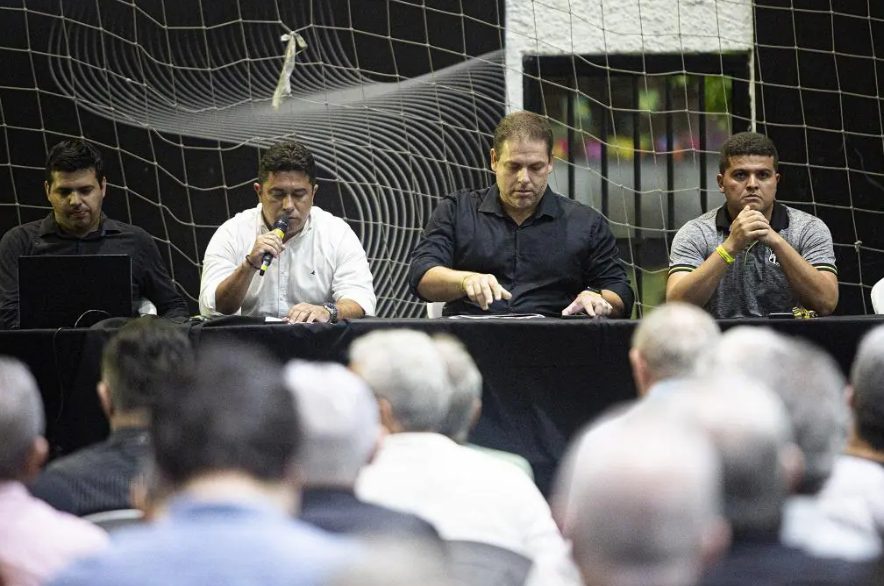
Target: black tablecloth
x=544 y=378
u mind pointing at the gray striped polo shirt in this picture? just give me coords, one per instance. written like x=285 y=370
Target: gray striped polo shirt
x=755 y=284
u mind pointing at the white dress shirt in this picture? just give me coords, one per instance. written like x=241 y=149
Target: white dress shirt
x=324 y=262
x=469 y=496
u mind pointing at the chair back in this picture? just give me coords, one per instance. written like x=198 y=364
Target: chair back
x=480 y=564
x=110 y=521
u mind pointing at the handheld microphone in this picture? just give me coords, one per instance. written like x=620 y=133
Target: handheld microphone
x=279 y=227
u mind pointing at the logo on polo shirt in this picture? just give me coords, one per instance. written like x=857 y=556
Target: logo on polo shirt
x=772 y=258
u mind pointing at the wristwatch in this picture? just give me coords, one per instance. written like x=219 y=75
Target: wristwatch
x=332 y=312
x=594 y=290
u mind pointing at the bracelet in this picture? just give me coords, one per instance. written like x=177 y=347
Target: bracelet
x=724 y=254
x=249 y=262
x=463 y=283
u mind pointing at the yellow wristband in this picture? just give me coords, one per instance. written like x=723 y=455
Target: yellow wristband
x=724 y=254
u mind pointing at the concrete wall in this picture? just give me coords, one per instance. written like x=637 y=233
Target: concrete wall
x=585 y=27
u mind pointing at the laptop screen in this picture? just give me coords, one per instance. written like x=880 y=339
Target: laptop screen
x=56 y=291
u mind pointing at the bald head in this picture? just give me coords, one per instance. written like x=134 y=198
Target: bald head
x=669 y=342
x=339 y=420
x=622 y=531
x=748 y=425
x=21 y=418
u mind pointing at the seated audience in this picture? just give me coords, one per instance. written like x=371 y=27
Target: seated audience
x=640 y=501
x=466 y=495
x=748 y=425
x=466 y=399
x=35 y=540
x=667 y=345
x=98 y=478
x=225 y=445
x=811 y=386
x=339 y=419
x=853 y=496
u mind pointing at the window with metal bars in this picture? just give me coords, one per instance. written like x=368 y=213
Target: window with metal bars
x=637 y=138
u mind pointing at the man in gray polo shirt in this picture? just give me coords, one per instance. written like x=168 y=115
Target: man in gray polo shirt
x=753 y=256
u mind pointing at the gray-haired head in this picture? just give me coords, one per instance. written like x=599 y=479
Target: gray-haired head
x=339 y=420
x=624 y=533
x=404 y=368
x=670 y=341
x=807 y=380
x=867 y=377
x=749 y=427
x=466 y=387
x=21 y=417
x=396 y=562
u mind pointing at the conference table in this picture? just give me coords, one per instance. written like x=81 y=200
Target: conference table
x=544 y=378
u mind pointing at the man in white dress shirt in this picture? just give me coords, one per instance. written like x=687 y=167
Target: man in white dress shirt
x=468 y=496
x=319 y=271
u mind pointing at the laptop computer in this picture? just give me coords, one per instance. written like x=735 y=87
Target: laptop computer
x=56 y=291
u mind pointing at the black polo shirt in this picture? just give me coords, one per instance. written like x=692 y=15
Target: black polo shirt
x=562 y=249
x=149 y=276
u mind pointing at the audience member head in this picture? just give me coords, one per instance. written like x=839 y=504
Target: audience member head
x=339 y=421
x=287 y=156
x=867 y=401
x=396 y=562
x=466 y=388
x=746 y=143
x=233 y=416
x=523 y=126
x=407 y=375
x=669 y=342
x=749 y=427
x=22 y=447
x=72 y=155
x=639 y=498
x=135 y=362
x=807 y=380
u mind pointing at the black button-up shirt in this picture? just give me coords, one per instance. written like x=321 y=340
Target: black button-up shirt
x=149 y=276
x=562 y=249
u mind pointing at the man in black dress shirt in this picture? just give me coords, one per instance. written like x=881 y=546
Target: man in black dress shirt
x=133 y=365
x=518 y=247
x=75 y=187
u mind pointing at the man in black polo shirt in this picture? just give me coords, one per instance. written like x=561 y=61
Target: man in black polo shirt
x=518 y=247
x=75 y=186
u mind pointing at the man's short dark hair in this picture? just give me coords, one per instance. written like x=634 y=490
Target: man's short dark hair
x=287 y=156
x=523 y=125
x=233 y=414
x=747 y=143
x=74 y=155
x=140 y=357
